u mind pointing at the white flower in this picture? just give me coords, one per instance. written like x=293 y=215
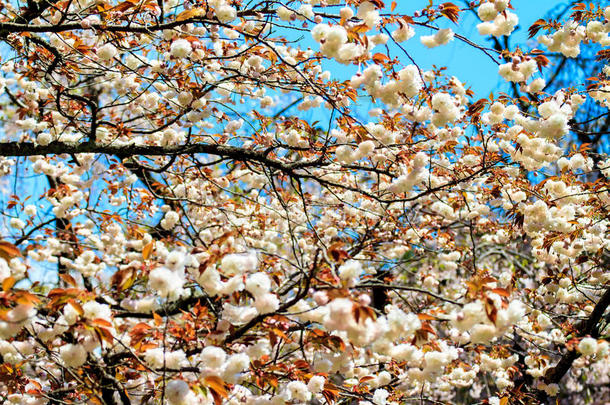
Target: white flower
x=316 y=384
x=175 y=260
x=537 y=85
x=154 y=357
x=73 y=355
x=350 y=269
x=487 y=11
x=30 y=210
x=266 y=303
x=284 y=13
x=551 y=389
x=180 y=48
x=238 y=263
x=320 y=32
x=17 y=223
x=169 y=220
x=107 y=52
x=44 y=138
x=238 y=315
x=213 y=356
x=226 y=13
x=95 y=310
x=406 y=352
x=505 y=23
x=297 y=390
x=305 y=11
x=380 y=396
x=482 y=333
x=70 y=314
x=339 y=315
x=441 y=37
x=350 y=51
x=486 y=28
x=403 y=33
x=235 y=283
x=346 y=13
x=258 y=284
x=234 y=366
x=587 y=346
x=175 y=359
x=368 y=13
x=234 y=125
x=165 y=282
x=365 y=148
x=177 y=392
x=5 y=270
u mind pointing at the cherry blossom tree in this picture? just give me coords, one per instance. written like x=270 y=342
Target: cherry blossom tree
x=275 y=202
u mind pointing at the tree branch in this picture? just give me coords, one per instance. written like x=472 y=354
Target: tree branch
x=586 y=327
x=124 y=151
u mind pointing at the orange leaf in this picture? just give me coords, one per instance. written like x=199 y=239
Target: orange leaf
x=302 y=364
x=124 y=6
x=25 y=298
x=8 y=283
x=140 y=328
x=360 y=28
x=94 y=400
x=79 y=309
x=335 y=342
x=158 y=319
x=501 y=291
x=8 y=250
x=101 y=322
x=146 y=252
x=393 y=6
x=192 y=13
x=68 y=279
x=216 y=385
x=380 y=58
x=336 y=253
x=329 y=396
x=425 y=317
x=103 y=334
x=281 y=334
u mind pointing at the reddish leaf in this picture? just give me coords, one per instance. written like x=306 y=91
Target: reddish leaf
x=451 y=11
x=535 y=27
x=603 y=54
x=477 y=106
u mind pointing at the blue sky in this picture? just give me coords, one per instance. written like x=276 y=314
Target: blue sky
x=471 y=65
x=468 y=64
